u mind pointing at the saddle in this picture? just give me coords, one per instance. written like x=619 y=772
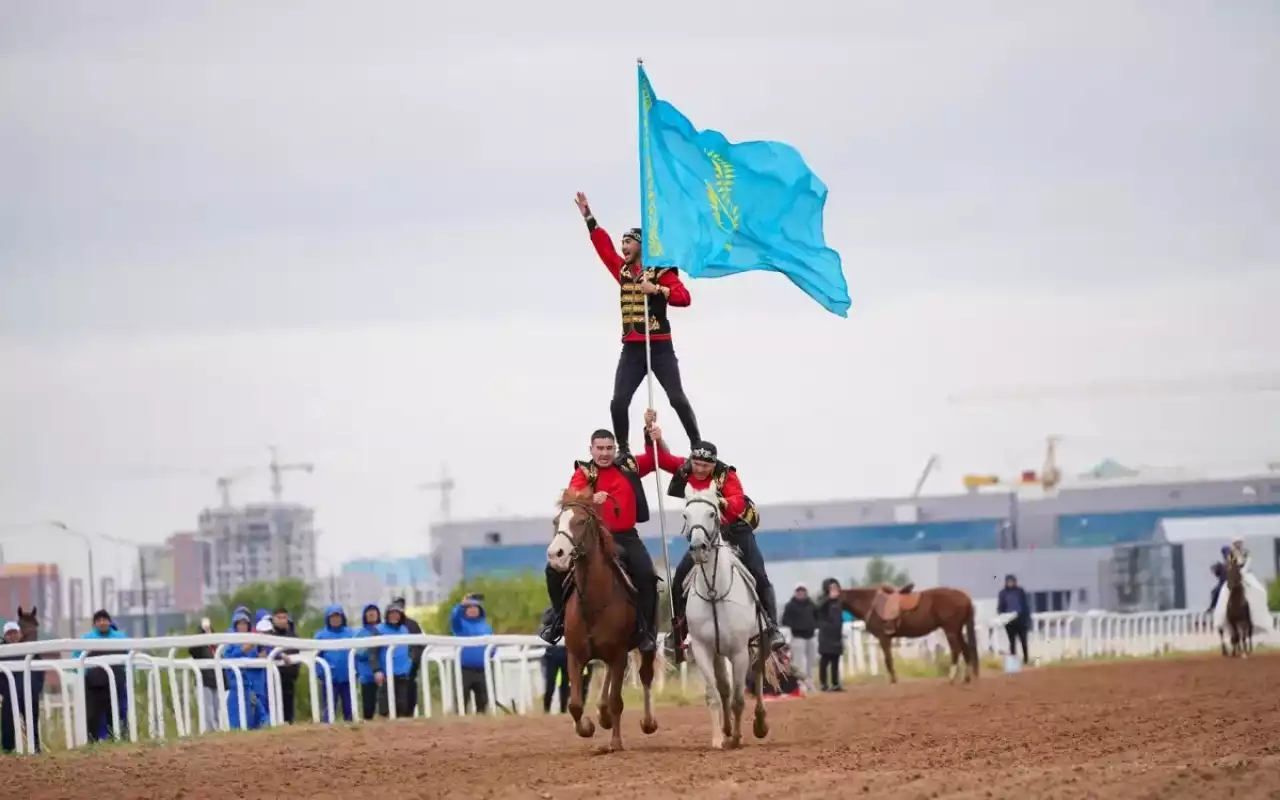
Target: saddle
x=889 y=603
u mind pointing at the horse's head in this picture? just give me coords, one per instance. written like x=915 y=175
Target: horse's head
x=701 y=522
x=1235 y=577
x=29 y=624
x=576 y=530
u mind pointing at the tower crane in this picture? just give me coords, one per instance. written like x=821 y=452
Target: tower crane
x=277 y=488
x=224 y=484
x=445 y=486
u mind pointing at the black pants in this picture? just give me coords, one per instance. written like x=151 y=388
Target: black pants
x=630 y=374
x=288 y=684
x=405 y=692
x=474 y=687
x=97 y=706
x=639 y=565
x=8 y=728
x=738 y=535
x=829 y=670
x=369 y=693
x=1017 y=632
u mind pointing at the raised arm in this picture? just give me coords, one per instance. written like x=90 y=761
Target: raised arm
x=600 y=239
x=656 y=455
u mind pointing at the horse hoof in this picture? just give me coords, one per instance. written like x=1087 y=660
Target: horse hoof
x=587 y=729
x=649 y=726
x=606 y=720
x=760 y=729
x=733 y=744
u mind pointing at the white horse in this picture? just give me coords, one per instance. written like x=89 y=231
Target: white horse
x=722 y=618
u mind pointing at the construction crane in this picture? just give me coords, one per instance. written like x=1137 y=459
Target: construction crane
x=445 y=487
x=224 y=484
x=277 y=488
x=1048 y=477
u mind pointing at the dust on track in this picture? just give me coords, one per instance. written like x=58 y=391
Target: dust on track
x=1171 y=728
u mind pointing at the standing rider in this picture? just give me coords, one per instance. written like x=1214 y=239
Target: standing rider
x=664 y=289
x=620 y=501
x=738 y=521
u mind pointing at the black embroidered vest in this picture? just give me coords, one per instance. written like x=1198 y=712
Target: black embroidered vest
x=627 y=465
x=632 y=301
x=719 y=474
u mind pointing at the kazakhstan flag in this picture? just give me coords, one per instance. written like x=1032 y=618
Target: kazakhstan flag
x=713 y=208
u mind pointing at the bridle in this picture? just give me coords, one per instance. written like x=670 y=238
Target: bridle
x=714 y=542
x=584 y=546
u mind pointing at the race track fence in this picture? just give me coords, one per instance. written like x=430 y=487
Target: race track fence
x=513 y=669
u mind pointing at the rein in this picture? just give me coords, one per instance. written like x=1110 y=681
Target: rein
x=590 y=542
x=714 y=543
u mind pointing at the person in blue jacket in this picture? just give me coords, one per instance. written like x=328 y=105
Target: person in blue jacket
x=335 y=627
x=368 y=671
x=399 y=663
x=468 y=619
x=255 y=680
x=97 y=686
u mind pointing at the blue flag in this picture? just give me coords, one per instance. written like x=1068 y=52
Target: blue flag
x=713 y=208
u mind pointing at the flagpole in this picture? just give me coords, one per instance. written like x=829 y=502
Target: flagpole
x=648 y=378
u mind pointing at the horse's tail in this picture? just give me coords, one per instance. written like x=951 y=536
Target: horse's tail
x=971 y=639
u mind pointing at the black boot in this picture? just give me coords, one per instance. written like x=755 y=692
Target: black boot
x=679 y=628
x=553 y=629
x=769 y=602
x=646 y=622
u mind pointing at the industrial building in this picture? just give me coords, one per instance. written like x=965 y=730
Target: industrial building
x=1100 y=543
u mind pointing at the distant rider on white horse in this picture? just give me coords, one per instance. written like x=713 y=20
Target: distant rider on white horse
x=1254 y=592
x=703 y=470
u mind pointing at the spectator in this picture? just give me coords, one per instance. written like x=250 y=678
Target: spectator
x=97 y=686
x=468 y=619
x=1013 y=600
x=555 y=663
x=800 y=615
x=208 y=681
x=415 y=651
x=11 y=707
x=335 y=627
x=830 y=617
x=282 y=625
x=399 y=663
x=254 y=679
x=368 y=661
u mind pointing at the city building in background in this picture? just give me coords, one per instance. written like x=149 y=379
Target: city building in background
x=27 y=585
x=258 y=542
x=370 y=580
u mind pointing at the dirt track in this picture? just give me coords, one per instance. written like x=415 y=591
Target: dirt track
x=1189 y=728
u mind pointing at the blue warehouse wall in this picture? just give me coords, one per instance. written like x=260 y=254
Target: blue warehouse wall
x=1128 y=527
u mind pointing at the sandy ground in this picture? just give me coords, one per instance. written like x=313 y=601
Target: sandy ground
x=1195 y=728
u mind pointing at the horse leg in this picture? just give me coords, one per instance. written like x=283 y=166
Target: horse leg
x=602 y=708
x=741 y=664
x=886 y=647
x=956 y=643
x=706 y=665
x=617 y=674
x=760 y=726
x=724 y=687
x=584 y=726
x=648 y=724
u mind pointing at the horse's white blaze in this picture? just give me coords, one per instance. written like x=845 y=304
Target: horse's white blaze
x=700 y=519
x=560 y=551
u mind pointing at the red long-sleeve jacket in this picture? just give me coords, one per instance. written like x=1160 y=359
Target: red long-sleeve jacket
x=612 y=481
x=677 y=295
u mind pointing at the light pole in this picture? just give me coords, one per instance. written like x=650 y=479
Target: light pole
x=88 y=546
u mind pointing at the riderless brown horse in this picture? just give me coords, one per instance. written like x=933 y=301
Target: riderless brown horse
x=600 y=618
x=890 y=613
x=1239 y=621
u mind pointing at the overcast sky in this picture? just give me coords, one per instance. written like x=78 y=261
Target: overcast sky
x=348 y=231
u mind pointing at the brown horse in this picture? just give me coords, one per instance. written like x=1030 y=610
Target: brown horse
x=1239 y=621
x=892 y=613
x=600 y=618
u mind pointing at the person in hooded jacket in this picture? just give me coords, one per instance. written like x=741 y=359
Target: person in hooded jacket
x=468 y=619
x=255 y=680
x=1013 y=600
x=830 y=616
x=416 y=651
x=11 y=707
x=97 y=686
x=369 y=660
x=399 y=662
x=335 y=627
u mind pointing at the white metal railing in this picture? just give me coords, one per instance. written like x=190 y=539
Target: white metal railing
x=513 y=673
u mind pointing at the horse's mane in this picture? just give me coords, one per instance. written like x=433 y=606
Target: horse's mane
x=587 y=498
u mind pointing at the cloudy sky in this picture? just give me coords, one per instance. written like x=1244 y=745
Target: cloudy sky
x=350 y=233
